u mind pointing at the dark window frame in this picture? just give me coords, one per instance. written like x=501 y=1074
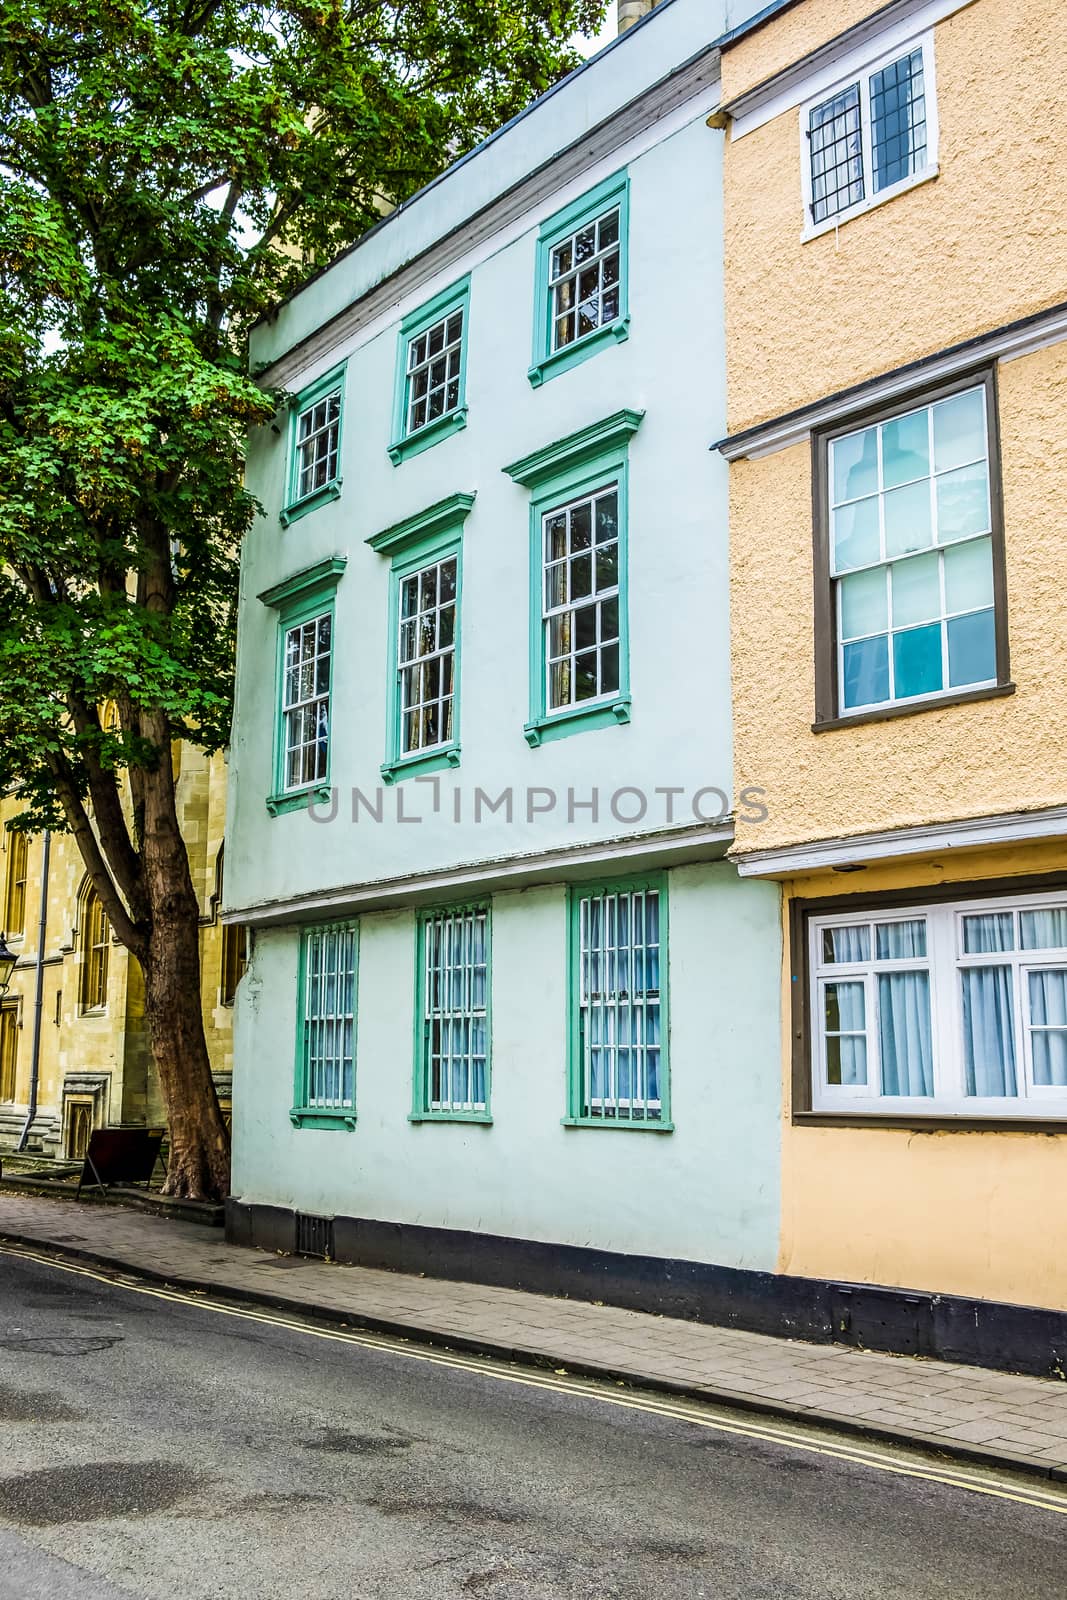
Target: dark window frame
x=827 y=702
x=802 y=910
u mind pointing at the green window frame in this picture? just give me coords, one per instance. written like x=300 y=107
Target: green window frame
x=429 y=354
x=452 y=1077
x=316 y=430
x=425 y=644
x=565 y=298
x=324 y=1093
x=309 y=596
x=586 y=465
x=618 y=1073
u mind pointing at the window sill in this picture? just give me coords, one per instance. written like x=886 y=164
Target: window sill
x=573 y=354
x=578 y=719
x=617 y=1125
x=962 y=697
x=311 y=1117
x=311 y=502
x=440 y=428
x=815 y=230
x=411 y=766
x=936 y=1123
x=299 y=800
x=92 y=1011
x=477 y=1118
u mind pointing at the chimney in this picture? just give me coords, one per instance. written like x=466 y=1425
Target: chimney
x=631 y=11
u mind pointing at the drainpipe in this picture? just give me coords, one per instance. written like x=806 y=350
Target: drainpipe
x=38 y=996
x=631 y=11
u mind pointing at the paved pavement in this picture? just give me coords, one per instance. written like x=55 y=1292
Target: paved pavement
x=155 y=1448
x=969 y=1411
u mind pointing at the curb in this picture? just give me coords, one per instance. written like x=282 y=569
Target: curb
x=415 y=1333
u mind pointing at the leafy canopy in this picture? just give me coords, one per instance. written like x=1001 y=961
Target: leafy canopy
x=167 y=171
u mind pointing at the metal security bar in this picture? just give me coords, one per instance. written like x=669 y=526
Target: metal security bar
x=619 y=1005
x=584 y=280
x=455 y=983
x=427 y=651
x=306 y=701
x=581 y=599
x=329 y=1017
x=317 y=434
x=434 y=360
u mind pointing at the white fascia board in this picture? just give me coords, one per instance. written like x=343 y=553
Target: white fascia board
x=816 y=75
x=673 y=34
x=649 y=851
x=972 y=833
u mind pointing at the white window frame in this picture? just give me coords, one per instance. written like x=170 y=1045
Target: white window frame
x=861 y=78
x=944 y=960
x=571 y=606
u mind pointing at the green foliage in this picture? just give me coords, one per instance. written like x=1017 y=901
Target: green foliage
x=167 y=171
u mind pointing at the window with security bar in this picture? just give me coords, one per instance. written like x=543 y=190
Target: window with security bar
x=318 y=435
x=434 y=367
x=452 y=1065
x=583 y=282
x=328 y=1019
x=426 y=650
x=619 y=1074
x=306 y=701
x=870 y=137
x=581 y=600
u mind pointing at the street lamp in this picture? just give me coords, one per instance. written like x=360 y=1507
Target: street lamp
x=7 y=964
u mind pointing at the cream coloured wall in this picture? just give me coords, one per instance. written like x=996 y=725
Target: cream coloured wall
x=954 y=1212
x=982 y=244
x=934 y=765
x=801 y=28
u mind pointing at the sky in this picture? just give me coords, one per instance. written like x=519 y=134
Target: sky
x=589 y=47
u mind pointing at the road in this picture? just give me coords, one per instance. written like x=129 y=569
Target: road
x=157 y=1448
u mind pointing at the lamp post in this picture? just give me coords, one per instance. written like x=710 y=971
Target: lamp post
x=7 y=964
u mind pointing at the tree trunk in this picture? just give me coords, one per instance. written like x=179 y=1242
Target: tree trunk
x=199 y=1143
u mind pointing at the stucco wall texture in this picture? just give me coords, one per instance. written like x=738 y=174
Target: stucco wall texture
x=981 y=245
x=952 y=1212
x=977 y=759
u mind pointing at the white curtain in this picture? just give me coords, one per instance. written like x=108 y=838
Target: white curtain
x=1048 y=1019
x=846 y=944
x=904 y=1033
x=988 y=1031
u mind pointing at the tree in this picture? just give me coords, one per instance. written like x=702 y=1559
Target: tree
x=167 y=171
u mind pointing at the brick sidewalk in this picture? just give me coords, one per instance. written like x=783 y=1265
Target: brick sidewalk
x=969 y=1411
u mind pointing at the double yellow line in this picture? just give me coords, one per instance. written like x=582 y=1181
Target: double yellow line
x=698 y=1415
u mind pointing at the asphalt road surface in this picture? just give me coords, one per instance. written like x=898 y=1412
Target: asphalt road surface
x=167 y=1451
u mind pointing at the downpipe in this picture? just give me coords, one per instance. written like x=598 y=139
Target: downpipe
x=38 y=997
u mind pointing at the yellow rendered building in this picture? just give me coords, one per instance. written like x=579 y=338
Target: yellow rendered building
x=74 y=1048
x=896 y=274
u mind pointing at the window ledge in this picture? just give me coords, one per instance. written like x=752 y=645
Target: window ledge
x=433 y=432
x=434 y=760
x=298 y=800
x=962 y=697
x=816 y=229
x=577 y=719
x=312 y=1117
x=936 y=1123
x=619 y=1125
x=572 y=354
x=311 y=502
x=477 y=1118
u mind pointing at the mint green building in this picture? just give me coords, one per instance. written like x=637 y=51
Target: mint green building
x=510 y=1013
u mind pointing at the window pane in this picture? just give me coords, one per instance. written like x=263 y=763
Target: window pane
x=963 y=503
x=897 y=941
x=866 y=672
x=1045 y=929
x=972 y=649
x=846 y=944
x=988 y=932
x=898 y=120
x=836 y=153
x=846 y=1059
x=917 y=661
x=916 y=590
x=907 y=519
x=959 y=430
x=855 y=465
x=906 y=448
x=969 y=575
x=904 y=1033
x=856 y=535
x=864 y=605
x=844 y=1008
x=988 y=1031
x=1048 y=1020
